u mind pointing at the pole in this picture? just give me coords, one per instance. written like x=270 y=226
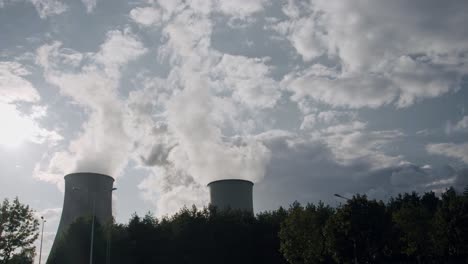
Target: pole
x=108 y=249
x=354 y=252
x=109 y=237
x=42 y=237
x=354 y=240
x=92 y=225
x=92 y=230
x=342 y=197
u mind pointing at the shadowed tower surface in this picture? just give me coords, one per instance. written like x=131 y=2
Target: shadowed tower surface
x=81 y=191
x=232 y=193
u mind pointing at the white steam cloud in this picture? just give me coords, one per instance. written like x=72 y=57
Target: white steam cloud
x=91 y=80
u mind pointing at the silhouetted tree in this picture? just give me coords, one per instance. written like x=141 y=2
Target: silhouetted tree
x=451 y=227
x=303 y=237
x=358 y=232
x=18 y=231
x=73 y=246
x=266 y=236
x=414 y=219
x=409 y=228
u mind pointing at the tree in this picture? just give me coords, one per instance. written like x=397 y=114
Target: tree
x=73 y=246
x=358 y=232
x=266 y=237
x=303 y=234
x=18 y=231
x=451 y=227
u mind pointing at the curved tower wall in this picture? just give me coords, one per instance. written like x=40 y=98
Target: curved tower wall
x=80 y=191
x=233 y=193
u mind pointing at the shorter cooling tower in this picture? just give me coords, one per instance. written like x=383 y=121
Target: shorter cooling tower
x=232 y=194
x=83 y=192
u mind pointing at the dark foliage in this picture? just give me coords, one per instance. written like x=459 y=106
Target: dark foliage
x=408 y=229
x=200 y=236
x=73 y=247
x=18 y=231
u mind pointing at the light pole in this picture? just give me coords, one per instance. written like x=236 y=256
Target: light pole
x=92 y=224
x=354 y=240
x=42 y=237
x=342 y=197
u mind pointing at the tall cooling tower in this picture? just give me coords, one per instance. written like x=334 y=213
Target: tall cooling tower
x=233 y=193
x=81 y=191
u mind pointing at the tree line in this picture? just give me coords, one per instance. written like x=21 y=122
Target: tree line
x=409 y=228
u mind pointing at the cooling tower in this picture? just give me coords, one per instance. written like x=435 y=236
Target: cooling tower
x=82 y=190
x=232 y=194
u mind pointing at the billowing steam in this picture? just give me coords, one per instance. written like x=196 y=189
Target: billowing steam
x=182 y=129
x=91 y=81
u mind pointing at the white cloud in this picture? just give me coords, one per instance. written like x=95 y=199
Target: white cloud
x=308 y=122
x=385 y=52
x=94 y=86
x=119 y=48
x=185 y=117
x=354 y=146
x=457 y=151
x=248 y=79
x=89 y=4
x=146 y=16
x=46 y=8
x=418 y=80
x=241 y=8
x=351 y=90
x=13 y=86
x=306 y=34
x=404 y=83
x=460 y=126
x=18 y=126
x=200 y=120
x=209 y=156
x=188 y=43
x=169 y=189
x=331 y=121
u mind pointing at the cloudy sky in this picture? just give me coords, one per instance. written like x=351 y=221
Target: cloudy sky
x=304 y=98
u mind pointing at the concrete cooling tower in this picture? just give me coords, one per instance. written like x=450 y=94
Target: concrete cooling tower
x=233 y=193
x=82 y=191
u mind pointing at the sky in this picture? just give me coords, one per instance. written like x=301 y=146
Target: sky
x=304 y=98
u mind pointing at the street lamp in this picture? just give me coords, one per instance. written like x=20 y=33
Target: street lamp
x=42 y=237
x=92 y=225
x=354 y=240
x=341 y=196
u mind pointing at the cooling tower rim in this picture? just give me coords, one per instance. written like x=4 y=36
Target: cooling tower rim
x=230 y=180
x=88 y=173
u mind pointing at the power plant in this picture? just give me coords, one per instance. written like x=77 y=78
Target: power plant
x=232 y=194
x=86 y=195
x=89 y=195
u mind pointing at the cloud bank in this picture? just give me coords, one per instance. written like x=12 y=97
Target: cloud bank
x=285 y=108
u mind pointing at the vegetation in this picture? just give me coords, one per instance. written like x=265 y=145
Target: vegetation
x=18 y=231
x=407 y=229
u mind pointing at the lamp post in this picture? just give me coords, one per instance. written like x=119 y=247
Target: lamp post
x=42 y=237
x=341 y=196
x=354 y=240
x=92 y=224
